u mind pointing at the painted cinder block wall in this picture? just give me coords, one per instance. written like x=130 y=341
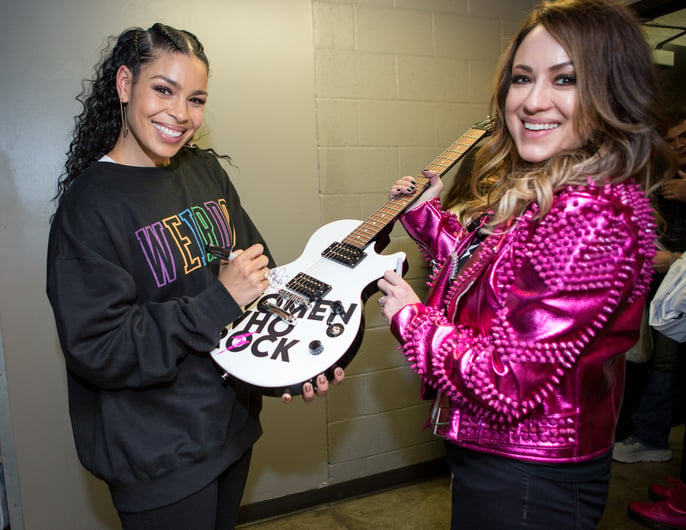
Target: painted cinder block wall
x=322 y=105
x=396 y=82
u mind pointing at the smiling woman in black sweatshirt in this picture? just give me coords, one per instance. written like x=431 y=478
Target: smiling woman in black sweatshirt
x=139 y=302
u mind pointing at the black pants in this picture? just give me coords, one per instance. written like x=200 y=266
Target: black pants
x=215 y=507
x=492 y=493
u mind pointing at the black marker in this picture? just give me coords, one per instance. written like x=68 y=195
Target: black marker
x=220 y=252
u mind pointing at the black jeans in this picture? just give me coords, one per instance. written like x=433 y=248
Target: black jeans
x=215 y=507
x=493 y=493
x=652 y=420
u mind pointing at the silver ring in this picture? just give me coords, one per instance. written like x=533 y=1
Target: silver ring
x=381 y=301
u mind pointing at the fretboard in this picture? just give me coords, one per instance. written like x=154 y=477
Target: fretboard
x=386 y=214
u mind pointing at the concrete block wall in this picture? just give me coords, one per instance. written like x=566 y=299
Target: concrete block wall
x=396 y=82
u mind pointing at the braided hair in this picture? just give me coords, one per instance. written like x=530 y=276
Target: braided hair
x=97 y=127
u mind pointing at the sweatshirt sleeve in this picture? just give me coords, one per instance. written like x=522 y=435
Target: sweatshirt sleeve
x=120 y=326
x=247 y=233
x=112 y=340
x=560 y=287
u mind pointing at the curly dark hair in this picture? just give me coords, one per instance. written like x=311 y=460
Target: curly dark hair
x=97 y=127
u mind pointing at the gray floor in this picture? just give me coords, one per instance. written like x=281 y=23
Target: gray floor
x=427 y=505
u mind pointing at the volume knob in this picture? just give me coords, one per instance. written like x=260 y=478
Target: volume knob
x=316 y=347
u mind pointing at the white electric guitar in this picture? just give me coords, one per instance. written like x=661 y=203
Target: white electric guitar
x=311 y=318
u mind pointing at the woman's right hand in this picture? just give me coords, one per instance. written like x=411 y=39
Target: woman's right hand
x=397 y=293
x=408 y=185
x=246 y=276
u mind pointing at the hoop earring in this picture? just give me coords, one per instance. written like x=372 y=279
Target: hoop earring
x=124 y=122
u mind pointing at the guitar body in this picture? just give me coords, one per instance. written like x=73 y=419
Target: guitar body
x=274 y=354
x=311 y=318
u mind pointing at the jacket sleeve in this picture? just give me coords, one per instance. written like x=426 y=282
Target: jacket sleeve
x=434 y=230
x=555 y=291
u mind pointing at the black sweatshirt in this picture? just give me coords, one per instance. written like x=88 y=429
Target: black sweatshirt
x=138 y=306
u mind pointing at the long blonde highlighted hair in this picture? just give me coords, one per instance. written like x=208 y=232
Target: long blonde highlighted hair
x=618 y=113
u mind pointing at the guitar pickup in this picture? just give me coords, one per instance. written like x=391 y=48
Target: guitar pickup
x=308 y=287
x=344 y=253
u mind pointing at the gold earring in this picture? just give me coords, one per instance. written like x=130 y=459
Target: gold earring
x=124 y=122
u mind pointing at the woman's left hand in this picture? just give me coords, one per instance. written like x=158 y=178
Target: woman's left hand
x=309 y=393
x=397 y=293
x=407 y=185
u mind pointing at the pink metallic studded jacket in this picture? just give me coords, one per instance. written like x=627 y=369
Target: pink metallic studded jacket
x=525 y=345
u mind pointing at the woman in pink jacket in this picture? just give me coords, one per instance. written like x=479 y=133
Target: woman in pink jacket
x=538 y=287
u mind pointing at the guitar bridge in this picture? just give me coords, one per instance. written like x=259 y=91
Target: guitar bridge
x=300 y=291
x=344 y=253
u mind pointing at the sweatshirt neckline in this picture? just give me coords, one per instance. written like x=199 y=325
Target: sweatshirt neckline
x=173 y=164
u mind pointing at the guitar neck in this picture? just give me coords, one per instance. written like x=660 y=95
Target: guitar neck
x=380 y=220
